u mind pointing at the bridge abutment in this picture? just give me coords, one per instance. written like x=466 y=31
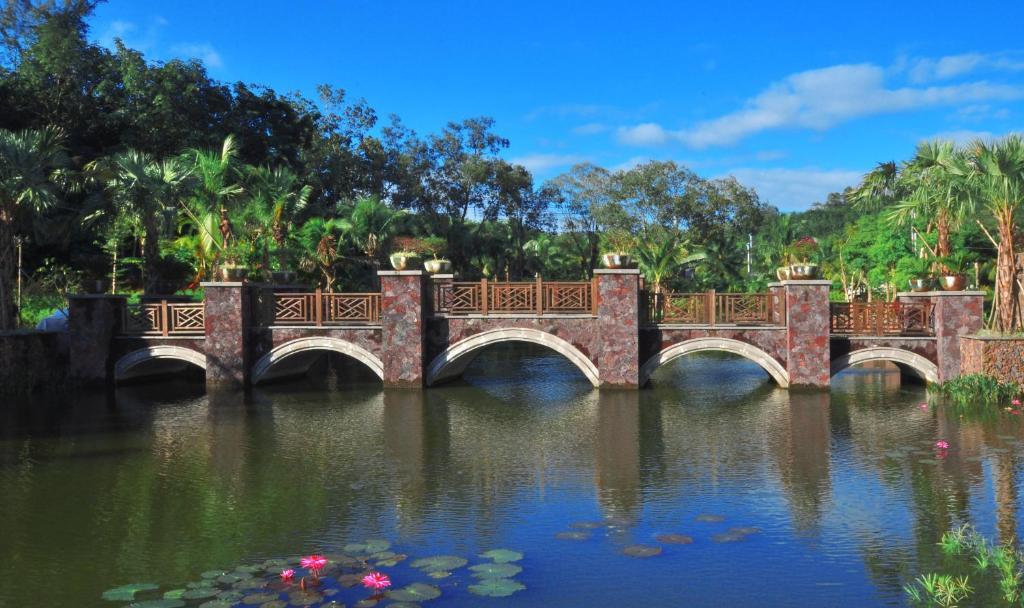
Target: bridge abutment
x=93 y=321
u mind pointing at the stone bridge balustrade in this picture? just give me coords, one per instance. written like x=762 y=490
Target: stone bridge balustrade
x=419 y=330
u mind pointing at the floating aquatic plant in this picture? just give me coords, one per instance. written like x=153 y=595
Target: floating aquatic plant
x=496 y=587
x=439 y=563
x=416 y=592
x=674 y=539
x=641 y=551
x=498 y=570
x=501 y=556
x=127 y=593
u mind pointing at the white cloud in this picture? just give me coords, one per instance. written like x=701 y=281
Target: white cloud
x=646 y=134
x=539 y=163
x=795 y=189
x=927 y=70
x=963 y=136
x=818 y=99
x=591 y=128
x=203 y=51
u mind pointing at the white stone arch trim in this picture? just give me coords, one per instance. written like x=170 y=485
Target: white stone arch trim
x=728 y=345
x=447 y=363
x=322 y=343
x=928 y=370
x=161 y=351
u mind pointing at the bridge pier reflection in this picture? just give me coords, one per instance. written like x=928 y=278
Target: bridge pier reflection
x=617 y=455
x=802 y=453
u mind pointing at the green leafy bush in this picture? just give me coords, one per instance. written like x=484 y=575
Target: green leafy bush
x=979 y=390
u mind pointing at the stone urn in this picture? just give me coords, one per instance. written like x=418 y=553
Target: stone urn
x=230 y=273
x=616 y=260
x=402 y=260
x=437 y=266
x=920 y=284
x=953 y=282
x=803 y=272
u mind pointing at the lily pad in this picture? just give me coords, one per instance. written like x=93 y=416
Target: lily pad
x=217 y=604
x=200 y=585
x=502 y=556
x=354 y=548
x=416 y=592
x=258 y=598
x=158 y=604
x=439 y=574
x=393 y=561
x=496 y=587
x=198 y=595
x=253 y=570
x=173 y=594
x=230 y=596
x=403 y=605
x=729 y=537
x=275 y=604
x=641 y=551
x=574 y=535
x=744 y=530
x=367 y=603
x=709 y=518
x=305 y=598
x=126 y=593
x=230 y=579
x=377 y=545
x=212 y=573
x=495 y=570
x=249 y=583
x=440 y=562
x=674 y=539
x=350 y=580
x=383 y=555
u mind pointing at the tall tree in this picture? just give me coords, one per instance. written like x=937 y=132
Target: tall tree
x=581 y=197
x=33 y=168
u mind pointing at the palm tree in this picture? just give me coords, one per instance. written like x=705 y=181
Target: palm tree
x=664 y=258
x=998 y=174
x=276 y=198
x=216 y=186
x=321 y=241
x=370 y=225
x=146 y=190
x=34 y=166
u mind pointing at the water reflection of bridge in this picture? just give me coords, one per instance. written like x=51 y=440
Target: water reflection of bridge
x=420 y=331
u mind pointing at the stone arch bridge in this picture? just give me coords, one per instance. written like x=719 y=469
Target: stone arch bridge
x=422 y=330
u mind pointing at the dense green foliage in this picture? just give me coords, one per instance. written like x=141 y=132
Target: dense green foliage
x=153 y=175
x=979 y=391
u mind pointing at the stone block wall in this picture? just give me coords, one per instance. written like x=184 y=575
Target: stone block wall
x=807 y=332
x=31 y=361
x=93 y=320
x=402 y=327
x=227 y=334
x=618 y=318
x=999 y=357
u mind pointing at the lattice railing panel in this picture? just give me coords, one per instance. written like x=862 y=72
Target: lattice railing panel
x=883 y=318
x=710 y=308
x=164 y=318
x=321 y=308
x=526 y=298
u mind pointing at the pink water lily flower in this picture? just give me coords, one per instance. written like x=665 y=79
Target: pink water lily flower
x=942 y=445
x=377 y=581
x=287 y=575
x=315 y=563
x=1016 y=402
x=923 y=406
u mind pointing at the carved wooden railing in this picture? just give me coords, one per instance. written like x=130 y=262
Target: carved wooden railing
x=519 y=298
x=325 y=308
x=883 y=318
x=711 y=308
x=164 y=318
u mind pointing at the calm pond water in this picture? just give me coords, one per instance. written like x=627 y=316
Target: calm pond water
x=159 y=483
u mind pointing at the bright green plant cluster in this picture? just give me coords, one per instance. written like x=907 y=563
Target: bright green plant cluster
x=979 y=390
x=996 y=568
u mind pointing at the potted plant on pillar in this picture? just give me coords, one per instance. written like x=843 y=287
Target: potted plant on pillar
x=232 y=268
x=920 y=271
x=405 y=251
x=782 y=271
x=803 y=251
x=953 y=271
x=435 y=246
x=619 y=244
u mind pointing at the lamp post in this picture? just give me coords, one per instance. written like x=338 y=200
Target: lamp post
x=18 y=242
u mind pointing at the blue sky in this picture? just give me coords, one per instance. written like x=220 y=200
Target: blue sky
x=796 y=100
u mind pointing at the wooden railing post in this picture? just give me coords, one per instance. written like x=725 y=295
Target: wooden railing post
x=593 y=295
x=540 y=296
x=318 y=307
x=710 y=306
x=164 y=318
x=485 y=296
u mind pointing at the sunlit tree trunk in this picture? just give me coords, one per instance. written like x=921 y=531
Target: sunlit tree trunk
x=943 y=247
x=1007 y=314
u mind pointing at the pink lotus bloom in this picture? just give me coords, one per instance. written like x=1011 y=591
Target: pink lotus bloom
x=287 y=575
x=923 y=406
x=376 y=581
x=315 y=563
x=1015 y=412
x=1016 y=402
x=942 y=445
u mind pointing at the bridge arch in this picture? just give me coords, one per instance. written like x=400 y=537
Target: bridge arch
x=905 y=359
x=453 y=361
x=728 y=345
x=124 y=366
x=318 y=343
